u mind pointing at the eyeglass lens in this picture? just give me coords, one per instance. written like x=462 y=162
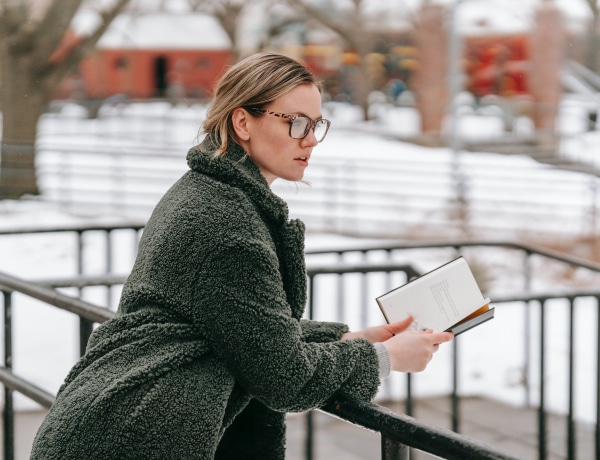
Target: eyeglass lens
x=301 y=126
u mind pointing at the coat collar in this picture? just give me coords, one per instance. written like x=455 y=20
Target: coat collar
x=238 y=170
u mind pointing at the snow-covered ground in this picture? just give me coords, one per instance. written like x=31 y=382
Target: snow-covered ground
x=491 y=355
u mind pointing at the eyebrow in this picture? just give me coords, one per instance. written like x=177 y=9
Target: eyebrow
x=307 y=116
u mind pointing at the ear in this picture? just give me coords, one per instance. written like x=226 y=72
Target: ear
x=241 y=121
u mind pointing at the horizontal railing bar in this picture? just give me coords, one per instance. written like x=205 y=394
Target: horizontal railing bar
x=542 y=296
x=83 y=281
x=387 y=228
x=106 y=170
x=457 y=244
x=79 y=228
x=96 y=194
x=481 y=205
x=341 y=269
x=401 y=165
x=116 y=280
x=529 y=248
x=411 y=432
x=50 y=296
x=115 y=151
x=104 y=173
x=436 y=203
x=34 y=393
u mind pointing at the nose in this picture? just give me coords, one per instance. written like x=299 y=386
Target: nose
x=310 y=140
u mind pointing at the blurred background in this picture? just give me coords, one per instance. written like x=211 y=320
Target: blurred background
x=469 y=75
x=459 y=127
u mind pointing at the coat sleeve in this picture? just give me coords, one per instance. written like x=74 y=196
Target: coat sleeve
x=242 y=309
x=322 y=331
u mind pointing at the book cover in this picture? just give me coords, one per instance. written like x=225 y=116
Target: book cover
x=444 y=299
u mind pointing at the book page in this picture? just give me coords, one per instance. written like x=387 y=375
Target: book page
x=437 y=300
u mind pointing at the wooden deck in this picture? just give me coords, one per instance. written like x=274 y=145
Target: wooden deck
x=507 y=428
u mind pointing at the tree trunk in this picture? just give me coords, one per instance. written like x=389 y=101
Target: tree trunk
x=35 y=56
x=27 y=101
x=546 y=58
x=431 y=88
x=592 y=42
x=365 y=85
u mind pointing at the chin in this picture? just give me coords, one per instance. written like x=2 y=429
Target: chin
x=293 y=177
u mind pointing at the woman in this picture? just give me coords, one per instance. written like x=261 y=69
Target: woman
x=208 y=350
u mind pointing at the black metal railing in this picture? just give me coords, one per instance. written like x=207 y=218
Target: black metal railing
x=84 y=310
x=79 y=234
x=339 y=262
x=398 y=432
x=362 y=267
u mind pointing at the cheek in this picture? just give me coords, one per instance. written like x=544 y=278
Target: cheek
x=270 y=142
x=274 y=142
x=276 y=136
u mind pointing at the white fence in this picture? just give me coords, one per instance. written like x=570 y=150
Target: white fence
x=360 y=184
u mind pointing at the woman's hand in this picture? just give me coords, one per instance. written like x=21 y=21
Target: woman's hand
x=380 y=333
x=409 y=351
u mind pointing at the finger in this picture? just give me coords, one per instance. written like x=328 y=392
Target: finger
x=441 y=337
x=400 y=326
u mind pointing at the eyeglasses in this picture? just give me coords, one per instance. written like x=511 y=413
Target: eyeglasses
x=300 y=125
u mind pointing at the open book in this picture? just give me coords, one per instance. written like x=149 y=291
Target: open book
x=444 y=299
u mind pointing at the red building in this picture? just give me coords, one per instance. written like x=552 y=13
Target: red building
x=153 y=56
x=497 y=64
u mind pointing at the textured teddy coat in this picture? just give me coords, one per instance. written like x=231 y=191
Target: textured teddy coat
x=208 y=335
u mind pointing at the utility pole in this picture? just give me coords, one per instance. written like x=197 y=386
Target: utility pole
x=455 y=80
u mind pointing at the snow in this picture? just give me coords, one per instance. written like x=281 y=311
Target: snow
x=491 y=359
x=158 y=31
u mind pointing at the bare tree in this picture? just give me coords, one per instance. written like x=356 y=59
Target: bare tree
x=593 y=37
x=351 y=25
x=278 y=23
x=228 y=13
x=37 y=51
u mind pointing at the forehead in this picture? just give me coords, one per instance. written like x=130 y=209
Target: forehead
x=304 y=99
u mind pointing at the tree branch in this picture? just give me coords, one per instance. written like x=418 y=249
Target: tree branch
x=51 y=30
x=57 y=70
x=15 y=28
x=593 y=4
x=348 y=29
x=226 y=12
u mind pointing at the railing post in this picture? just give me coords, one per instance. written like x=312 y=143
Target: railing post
x=109 y=266
x=85 y=331
x=542 y=409
x=597 y=430
x=85 y=327
x=308 y=445
x=455 y=401
x=309 y=441
x=392 y=450
x=570 y=416
x=8 y=413
x=527 y=328
x=409 y=398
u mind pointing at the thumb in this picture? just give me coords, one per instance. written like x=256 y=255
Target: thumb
x=400 y=326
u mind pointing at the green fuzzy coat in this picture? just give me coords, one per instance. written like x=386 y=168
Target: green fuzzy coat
x=208 y=350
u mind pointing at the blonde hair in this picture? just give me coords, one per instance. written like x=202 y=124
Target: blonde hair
x=252 y=83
